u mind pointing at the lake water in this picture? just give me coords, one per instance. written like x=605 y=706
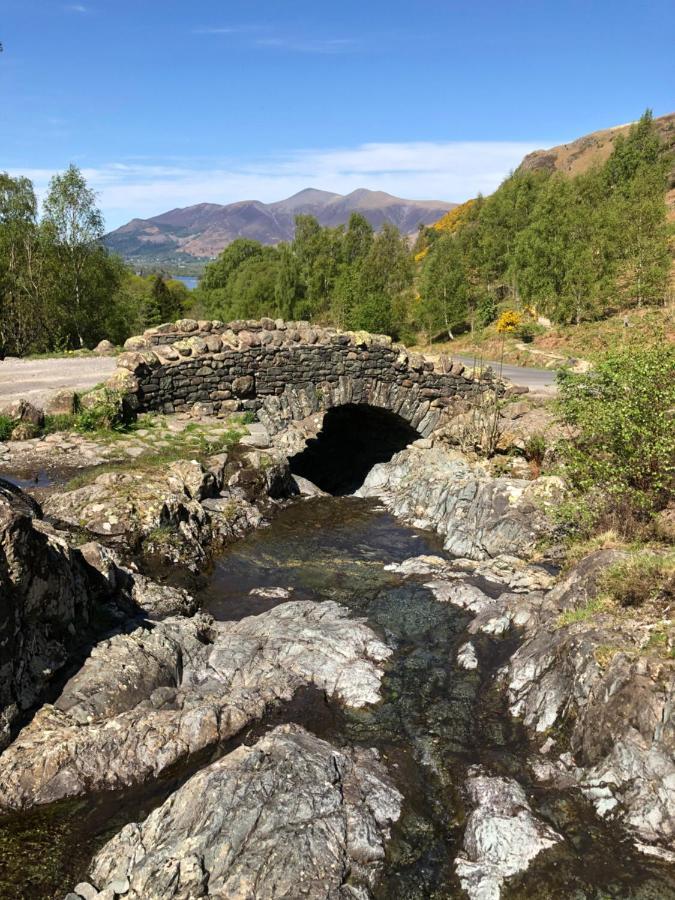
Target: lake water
x=190 y=281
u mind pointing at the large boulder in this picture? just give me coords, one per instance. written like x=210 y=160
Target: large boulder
x=25 y=413
x=290 y=816
x=46 y=606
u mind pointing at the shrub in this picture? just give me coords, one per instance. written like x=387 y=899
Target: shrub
x=104 y=412
x=621 y=458
x=7 y=425
x=527 y=331
x=486 y=311
x=508 y=321
x=535 y=448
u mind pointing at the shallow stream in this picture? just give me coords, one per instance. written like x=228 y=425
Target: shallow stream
x=435 y=720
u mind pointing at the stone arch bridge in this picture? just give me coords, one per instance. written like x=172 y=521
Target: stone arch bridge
x=285 y=372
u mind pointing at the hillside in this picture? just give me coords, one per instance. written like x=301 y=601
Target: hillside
x=594 y=149
x=201 y=231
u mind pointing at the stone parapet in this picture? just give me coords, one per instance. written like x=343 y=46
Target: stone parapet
x=285 y=371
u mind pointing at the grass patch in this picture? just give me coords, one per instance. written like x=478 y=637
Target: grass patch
x=582 y=613
x=181 y=446
x=640 y=579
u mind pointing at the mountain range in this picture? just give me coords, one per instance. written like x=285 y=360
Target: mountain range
x=200 y=232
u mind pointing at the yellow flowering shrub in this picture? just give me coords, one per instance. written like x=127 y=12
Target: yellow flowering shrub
x=508 y=321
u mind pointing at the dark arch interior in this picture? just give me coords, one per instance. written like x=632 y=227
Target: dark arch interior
x=352 y=440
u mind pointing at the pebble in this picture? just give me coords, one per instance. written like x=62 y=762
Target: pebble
x=86 y=890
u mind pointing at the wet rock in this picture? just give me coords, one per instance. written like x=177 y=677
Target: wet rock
x=502 y=835
x=307 y=488
x=145 y=700
x=291 y=816
x=466 y=656
x=478 y=516
x=271 y=593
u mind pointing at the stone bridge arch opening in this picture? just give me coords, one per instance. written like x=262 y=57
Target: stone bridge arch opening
x=353 y=438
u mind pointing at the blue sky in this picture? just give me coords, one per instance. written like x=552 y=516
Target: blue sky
x=164 y=103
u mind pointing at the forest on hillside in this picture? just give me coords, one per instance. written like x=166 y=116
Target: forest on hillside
x=568 y=248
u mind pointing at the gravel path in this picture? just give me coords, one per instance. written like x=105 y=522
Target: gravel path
x=36 y=379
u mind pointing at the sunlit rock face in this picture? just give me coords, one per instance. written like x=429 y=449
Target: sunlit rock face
x=290 y=816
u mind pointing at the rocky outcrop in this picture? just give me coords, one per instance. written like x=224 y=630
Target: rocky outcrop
x=147 y=699
x=291 y=816
x=55 y=598
x=47 y=603
x=478 y=516
x=594 y=679
x=502 y=835
x=181 y=510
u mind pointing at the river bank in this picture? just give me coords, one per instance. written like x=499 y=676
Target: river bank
x=429 y=637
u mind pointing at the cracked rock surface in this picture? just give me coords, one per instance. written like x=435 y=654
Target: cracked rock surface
x=147 y=699
x=290 y=816
x=479 y=516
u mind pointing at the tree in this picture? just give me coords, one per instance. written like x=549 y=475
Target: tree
x=22 y=313
x=218 y=272
x=358 y=239
x=288 y=288
x=75 y=227
x=621 y=459
x=443 y=287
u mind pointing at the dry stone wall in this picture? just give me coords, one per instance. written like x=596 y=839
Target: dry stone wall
x=285 y=371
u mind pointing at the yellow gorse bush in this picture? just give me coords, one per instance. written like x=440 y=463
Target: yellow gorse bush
x=508 y=321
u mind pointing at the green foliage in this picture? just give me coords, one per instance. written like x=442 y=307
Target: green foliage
x=444 y=287
x=106 y=413
x=571 y=247
x=350 y=277
x=621 y=458
x=7 y=426
x=59 y=288
x=486 y=310
x=580 y=613
x=527 y=331
x=535 y=448
x=641 y=578
x=60 y=422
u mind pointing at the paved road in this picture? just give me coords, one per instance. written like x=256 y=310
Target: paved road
x=535 y=379
x=36 y=379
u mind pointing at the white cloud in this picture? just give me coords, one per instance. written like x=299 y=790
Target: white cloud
x=453 y=170
x=214 y=29
x=284 y=42
x=77 y=8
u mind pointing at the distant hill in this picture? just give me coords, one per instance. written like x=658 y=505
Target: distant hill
x=200 y=232
x=594 y=149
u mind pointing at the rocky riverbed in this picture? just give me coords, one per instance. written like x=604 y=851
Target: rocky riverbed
x=375 y=696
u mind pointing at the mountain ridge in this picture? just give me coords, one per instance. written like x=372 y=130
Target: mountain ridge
x=200 y=231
